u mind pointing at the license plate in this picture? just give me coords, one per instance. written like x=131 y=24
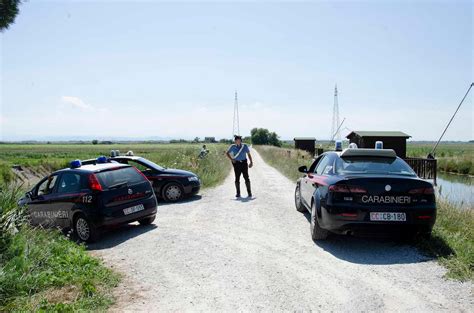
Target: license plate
x=133 y=209
x=388 y=216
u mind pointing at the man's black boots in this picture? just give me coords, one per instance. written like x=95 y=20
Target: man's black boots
x=249 y=190
x=237 y=188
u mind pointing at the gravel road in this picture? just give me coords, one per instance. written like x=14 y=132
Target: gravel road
x=216 y=253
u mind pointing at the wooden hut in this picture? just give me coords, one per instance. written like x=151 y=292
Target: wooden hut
x=395 y=140
x=305 y=143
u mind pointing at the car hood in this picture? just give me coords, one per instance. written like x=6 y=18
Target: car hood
x=173 y=171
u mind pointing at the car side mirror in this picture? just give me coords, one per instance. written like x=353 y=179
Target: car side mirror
x=303 y=169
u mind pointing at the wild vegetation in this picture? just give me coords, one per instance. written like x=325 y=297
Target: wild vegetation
x=262 y=136
x=452 y=240
x=212 y=169
x=452 y=157
x=286 y=160
x=8 y=11
x=42 y=270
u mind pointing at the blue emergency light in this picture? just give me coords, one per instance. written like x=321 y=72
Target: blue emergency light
x=75 y=164
x=378 y=145
x=338 y=145
x=102 y=159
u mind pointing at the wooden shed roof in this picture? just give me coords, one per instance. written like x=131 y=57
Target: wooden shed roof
x=304 y=138
x=364 y=133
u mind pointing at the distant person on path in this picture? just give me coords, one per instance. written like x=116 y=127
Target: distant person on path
x=237 y=153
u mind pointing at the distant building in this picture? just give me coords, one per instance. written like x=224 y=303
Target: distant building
x=210 y=139
x=395 y=140
x=305 y=143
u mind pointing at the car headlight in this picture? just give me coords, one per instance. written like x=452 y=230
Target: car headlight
x=193 y=178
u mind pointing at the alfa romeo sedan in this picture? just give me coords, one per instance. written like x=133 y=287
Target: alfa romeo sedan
x=171 y=185
x=88 y=198
x=365 y=191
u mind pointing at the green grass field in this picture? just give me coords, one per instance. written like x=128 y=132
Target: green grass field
x=452 y=157
x=212 y=170
x=452 y=242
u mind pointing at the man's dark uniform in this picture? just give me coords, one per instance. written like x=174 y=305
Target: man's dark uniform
x=239 y=157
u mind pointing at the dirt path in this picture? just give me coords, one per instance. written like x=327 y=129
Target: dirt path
x=220 y=254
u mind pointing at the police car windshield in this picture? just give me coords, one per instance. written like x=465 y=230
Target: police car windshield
x=371 y=165
x=152 y=164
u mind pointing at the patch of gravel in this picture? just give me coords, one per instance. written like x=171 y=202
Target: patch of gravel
x=217 y=253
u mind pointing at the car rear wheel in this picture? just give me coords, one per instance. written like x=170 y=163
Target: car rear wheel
x=84 y=229
x=173 y=192
x=147 y=220
x=317 y=233
x=299 y=206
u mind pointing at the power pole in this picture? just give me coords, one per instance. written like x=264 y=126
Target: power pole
x=335 y=132
x=235 y=124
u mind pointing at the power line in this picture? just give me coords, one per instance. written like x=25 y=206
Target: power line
x=452 y=117
x=335 y=133
x=235 y=123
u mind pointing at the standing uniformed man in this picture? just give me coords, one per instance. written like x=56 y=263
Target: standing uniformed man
x=238 y=153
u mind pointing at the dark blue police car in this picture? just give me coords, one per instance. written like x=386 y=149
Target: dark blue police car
x=87 y=198
x=169 y=184
x=369 y=191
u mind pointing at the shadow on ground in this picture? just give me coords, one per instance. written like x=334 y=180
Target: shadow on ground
x=244 y=199
x=371 y=251
x=117 y=235
x=163 y=203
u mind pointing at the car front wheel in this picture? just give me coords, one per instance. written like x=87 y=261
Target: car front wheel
x=173 y=192
x=84 y=229
x=317 y=233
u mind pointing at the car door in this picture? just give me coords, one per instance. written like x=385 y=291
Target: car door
x=39 y=206
x=306 y=188
x=151 y=174
x=67 y=196
x=316 y=179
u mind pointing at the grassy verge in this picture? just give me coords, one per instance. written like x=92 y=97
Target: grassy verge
x=42 y=270
x=212 y=169
x=452 y=157
x=452 y=241
x=286 y=160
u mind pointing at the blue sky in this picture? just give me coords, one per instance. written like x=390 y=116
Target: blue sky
x=140 y=69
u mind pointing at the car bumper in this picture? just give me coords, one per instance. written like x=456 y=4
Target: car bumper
x=118 y=217
x=357 y=220
x=192 y=188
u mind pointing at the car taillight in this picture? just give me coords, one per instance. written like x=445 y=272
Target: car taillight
x=347 y=189
x=422 y=191
x=140 y=172
x=94 y=183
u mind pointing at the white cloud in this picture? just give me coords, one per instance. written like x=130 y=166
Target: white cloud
x=81 y=105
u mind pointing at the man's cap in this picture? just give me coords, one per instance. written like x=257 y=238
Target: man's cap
x=237 y=137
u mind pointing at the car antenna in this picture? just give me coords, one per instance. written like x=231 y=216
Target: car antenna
x=431 y=154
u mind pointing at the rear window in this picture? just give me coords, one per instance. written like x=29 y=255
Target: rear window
x=365 y=165
x=120 y=176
